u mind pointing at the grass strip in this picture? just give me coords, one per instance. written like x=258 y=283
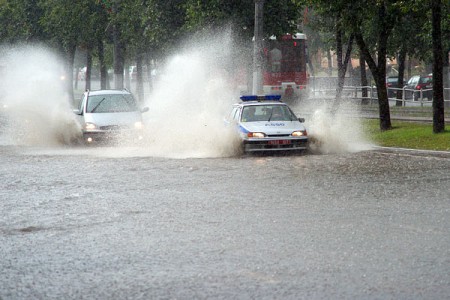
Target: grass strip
x=408 y=135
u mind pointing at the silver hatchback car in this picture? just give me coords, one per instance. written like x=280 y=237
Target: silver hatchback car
x=110 y=116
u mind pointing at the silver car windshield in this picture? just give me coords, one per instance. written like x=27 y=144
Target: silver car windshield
x=258 y=113
x=111 y=103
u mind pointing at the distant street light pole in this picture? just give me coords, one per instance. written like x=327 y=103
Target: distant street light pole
x=257 y=87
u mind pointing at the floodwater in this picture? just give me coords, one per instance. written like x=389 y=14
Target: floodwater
x=184 y=216
x=76 y=224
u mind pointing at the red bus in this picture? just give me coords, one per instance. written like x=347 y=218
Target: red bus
x=284 y=68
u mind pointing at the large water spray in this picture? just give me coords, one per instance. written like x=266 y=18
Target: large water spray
x=35 y=108
x=190 y=99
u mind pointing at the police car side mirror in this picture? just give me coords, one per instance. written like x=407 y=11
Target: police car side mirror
x=78 y=112
x=301 y=120
x=145 y=109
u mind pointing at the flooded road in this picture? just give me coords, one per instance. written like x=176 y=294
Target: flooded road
x=92 y=223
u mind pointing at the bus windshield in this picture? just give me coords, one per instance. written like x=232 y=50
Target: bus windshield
x=285 y=56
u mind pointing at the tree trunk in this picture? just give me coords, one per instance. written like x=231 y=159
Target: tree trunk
x=438 y=86
x=364 y=82
x=149 y=72
x=342 y=63
x=69 y=53
x=103 y=70
x=139 y=78
x=446 y=77
x=339 y=51
x=88 y=68
x=379 y=74
x=75 y=84
x=119 y=60
x=383 y=101
x=409 y=67
x=379 y=69
x=330 y=63
x=401 y=75
x=127 y=78
x=119 y=56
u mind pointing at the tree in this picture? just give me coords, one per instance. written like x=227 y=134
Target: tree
x=402 y=43
x=64 y=20
x=20 y=21
x=333 y=20
x=280 y=17
x=446 y=46
x=92 y=39
x=119 y=44
x=142 y=33
x=438 y=87
x=383 y=16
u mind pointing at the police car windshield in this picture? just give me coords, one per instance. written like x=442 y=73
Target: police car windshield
x=258 y=113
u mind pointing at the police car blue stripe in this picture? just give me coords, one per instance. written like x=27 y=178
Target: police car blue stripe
x=243 y=129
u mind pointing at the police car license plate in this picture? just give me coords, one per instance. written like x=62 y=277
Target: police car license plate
x=280 y=142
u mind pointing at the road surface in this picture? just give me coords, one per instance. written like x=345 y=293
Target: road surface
x=104 y=223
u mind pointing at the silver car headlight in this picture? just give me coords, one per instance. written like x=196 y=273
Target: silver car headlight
x=257 y=135
x=90 y=126
x=299 y=133
x=138 y=125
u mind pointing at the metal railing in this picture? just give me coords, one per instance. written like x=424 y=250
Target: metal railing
x=417 y=97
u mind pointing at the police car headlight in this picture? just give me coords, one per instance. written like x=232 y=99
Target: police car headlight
x=299 y=133
x=138 y=125
x=90 y=126
x=256 y=135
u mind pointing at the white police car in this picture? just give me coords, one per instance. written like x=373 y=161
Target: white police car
x=267 y=124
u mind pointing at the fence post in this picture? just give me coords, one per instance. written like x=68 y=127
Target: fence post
x=371 y=95
x=403 y=97
x=421 y=98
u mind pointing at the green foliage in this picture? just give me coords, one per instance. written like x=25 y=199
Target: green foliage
x=157 y=26
x=279 y=16
x=19 y=21
x=65 y=21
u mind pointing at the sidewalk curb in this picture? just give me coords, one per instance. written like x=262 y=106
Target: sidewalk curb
x=407 y=119
x=416 y=152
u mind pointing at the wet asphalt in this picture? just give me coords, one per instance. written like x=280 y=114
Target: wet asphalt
x=367 y=225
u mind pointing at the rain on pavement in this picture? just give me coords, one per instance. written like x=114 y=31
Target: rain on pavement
x=183 y=216
x=90 y=223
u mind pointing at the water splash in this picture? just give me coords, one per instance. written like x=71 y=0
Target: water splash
x=338 y=131
x=187 y=107
x=189 y=103
x=35 y=108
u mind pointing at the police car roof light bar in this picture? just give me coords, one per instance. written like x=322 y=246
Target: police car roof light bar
x=261 y=98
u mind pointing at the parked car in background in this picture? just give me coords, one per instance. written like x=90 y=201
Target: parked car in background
x=393 y=86
x=419 y=86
